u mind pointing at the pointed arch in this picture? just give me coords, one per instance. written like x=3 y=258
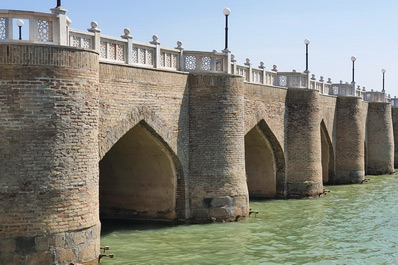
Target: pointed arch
x=265 y=162
x=327 y=155
x=141 y=177
x=137 y=114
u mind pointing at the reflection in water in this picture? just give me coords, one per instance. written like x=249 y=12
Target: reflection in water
x=354 y=224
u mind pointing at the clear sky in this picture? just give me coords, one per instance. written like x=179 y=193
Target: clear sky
x=262 y=30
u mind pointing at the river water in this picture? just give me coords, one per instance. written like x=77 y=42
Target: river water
x=353 y=224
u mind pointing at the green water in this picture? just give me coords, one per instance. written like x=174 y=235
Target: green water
x=353 y=224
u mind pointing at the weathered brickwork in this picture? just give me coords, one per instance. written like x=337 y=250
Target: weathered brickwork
x=380 y=142
x=217 y=181
x=62 y=113
x=350 y=140
x=266 y=107
x=129 y=95
x=303 y=143
x=48 y=154
x=394 y=115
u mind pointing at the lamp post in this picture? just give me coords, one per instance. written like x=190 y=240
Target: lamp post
x=353 y=59
x=306 y=42
x=20 y=23
x=226 y=12
x=383 y=71
x=58 y=3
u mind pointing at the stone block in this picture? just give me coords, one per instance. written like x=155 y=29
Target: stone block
x=42 y=243
x=221 y=201
x=79 y=237
x=40 y=258
x=7 y=245
x=240 y=201
x=88 y=252
x=220 y=213
x=65 y=255
x=200 y=213
x=60 y=240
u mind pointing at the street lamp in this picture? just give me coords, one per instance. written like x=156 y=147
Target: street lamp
x=306 y=42
x=226 y=12
x=20 y=23
x=383 y=71
x=58 y=3
x=353 y=59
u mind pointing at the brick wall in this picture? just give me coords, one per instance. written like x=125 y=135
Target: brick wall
x=217 y=182
x=380 y=142
x=350 y=140
x=48 y=154
x=394 y=114
x=303 y=147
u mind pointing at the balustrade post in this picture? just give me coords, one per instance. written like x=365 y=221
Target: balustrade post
x=61 y=26
x=250 y=73
x=97 y=36
x=233 y=62
x=181 y=49
x=213 y=61
x=322 y=85
x=227 y=64
x=129 y=50
x=262 y=67
x=157 y=52
x=33 y=29
x=308 y=79
x=9 y=29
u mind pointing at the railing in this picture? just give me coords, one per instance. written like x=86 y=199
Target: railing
x=292 y=80
x=340 y=89
x=149 y=55
x=49 y=28
x=254 y=75
x=53 y=28
x=195 y=61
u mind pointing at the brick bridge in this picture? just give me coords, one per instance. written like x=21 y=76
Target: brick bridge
x=85 y=135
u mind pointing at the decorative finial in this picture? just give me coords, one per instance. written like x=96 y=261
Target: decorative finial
x=215 y=51
x=321 y=79
x=294 y=71
x=359 y=87
x=363 y=89
x=247 y=61
x=155 y=40
x=233 y=58
x=94 y=27
x=313 y=77
x=127 y=34
x=261 y=65
x=329 y=80
x=275 y=68
x=179 y=45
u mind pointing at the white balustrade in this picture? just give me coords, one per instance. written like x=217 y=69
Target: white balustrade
x=53 y=28
x=195 y=61
x=81 y=39
x=49 y=28
x=292 y=79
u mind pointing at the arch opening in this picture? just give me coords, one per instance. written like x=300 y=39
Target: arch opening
x=327 y=155
x=138 y=178
x=265 y=163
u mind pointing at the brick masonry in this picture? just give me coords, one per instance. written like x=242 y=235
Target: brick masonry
x=380 y=142
x=61 y=111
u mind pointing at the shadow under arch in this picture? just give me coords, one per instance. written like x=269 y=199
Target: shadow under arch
x=327 y=155
x=265 y=163
x=141 y=178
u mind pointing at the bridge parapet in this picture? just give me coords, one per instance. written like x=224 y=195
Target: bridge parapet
x=51 y=28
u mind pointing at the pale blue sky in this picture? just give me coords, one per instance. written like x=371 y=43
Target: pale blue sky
x=262 y=30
